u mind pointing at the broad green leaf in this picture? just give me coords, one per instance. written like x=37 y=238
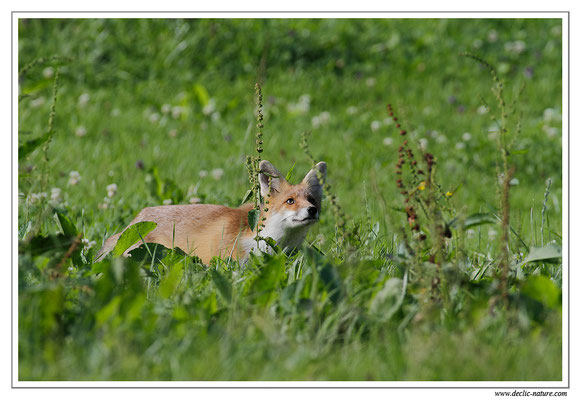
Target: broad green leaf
x=170 y=281
x=210 y=304
x=479 y=219
x=549 y=253
x=542 y=289
x=264 y=285
x=30 y=145
x=247 y=196
x=180 y=313
x=109 y=311
x=51 y=304
x=65 y=224
x=253 y=216
x=132 y=235
x=142 y=253
x=135 y=308
x=387 y=301
x=332 y=282
x=222 y=284
x=201 y=94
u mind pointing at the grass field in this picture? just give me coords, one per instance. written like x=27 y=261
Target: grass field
x=460 y=282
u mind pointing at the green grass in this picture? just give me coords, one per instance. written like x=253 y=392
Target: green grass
x=147 y=102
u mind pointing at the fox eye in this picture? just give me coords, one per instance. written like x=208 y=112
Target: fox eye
x=290 y=200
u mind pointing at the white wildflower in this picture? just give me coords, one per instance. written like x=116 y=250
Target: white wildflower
x=441 y=139
x=210 y=107
x=305 y=102
x=115 y=112
x=492 y=234
x=470 y=233
x=500 y=178
x=551 y=114
x=87 y=244
x=39 y=101
x=550 y=131
x=74 y=178
x=154 y=117
x=460 y=146
x=492 y=36
x=482 y=110
x=84 y=99
x=423 y=143
x=111 y=190
x=493 y=131
x=388 y=141
x=48 y=72
x=217 y=173
x=466 y=136
x=513 y=182
x=203 y=173
x=375 y=125
x=302 y=106
x=167 y=202
x=176 y=112
x=325 y=116
x=316 y=121
x=370 y=82
x=165 y=109
x=195 y=200
x=215 y=116
x=55 y=195
x=351 y=110
x=173 y=133
x=81 y=131
x=34 y=197
x=516 y=47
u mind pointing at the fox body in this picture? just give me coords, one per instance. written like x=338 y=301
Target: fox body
x=208 y=230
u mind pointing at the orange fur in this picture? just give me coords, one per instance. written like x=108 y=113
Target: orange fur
x=208 y=230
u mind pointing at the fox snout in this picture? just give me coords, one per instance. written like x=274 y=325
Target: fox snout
x=304 y=216
x=311 y=213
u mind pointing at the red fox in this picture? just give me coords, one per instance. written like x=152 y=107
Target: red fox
x=208 y=230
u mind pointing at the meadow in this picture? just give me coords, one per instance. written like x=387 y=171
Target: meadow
x=438 y=252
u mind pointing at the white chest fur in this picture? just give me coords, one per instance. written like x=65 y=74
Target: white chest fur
x=279 y=228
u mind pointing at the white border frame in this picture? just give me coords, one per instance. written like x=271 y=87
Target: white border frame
x=503 y=385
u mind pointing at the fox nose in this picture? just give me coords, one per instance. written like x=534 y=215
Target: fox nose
x=312 y=211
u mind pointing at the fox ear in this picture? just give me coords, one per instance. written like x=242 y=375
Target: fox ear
x=269 y=175
x=316 y=178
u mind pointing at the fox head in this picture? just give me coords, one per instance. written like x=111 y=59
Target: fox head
x=291 y=206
